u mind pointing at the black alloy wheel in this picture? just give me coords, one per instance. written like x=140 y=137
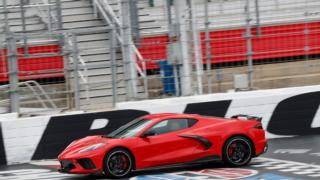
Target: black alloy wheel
x=237 y=151
x=118 y=163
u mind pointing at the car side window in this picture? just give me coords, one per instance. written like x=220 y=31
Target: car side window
x=172 y=125
x=191 y=122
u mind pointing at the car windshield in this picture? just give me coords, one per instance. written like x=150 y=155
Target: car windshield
x=130 y=129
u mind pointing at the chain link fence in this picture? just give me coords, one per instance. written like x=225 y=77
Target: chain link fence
x=167 y=48
x=32 y=71
x=243 y=44
x=32 y=75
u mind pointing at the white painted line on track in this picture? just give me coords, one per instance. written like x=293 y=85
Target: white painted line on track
x=46 y=163
x=298 y=168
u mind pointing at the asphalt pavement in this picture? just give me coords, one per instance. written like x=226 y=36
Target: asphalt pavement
x=287 y=159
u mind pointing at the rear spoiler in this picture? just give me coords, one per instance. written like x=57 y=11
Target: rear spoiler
x=246 y=117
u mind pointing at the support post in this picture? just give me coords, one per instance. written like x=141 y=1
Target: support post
x=50 y=19
x=196 y=46
x=59 y=21
x=171 y=41
x=6 y=22
x=59 y=15
x=13 y=73
x=66 y=52
x=258 y=27
x=23 y=21
x=76 y=84
x=129 y=57
x=113 y=46
x=208 y=46
x=135 y=28
x=249 y=44
x=183 y=38
x=306 y=34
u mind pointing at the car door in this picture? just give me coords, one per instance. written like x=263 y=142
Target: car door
x=166 y=146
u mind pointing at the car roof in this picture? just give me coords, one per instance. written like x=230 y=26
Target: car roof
x=160 y=116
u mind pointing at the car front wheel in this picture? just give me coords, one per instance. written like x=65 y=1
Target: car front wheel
x=118 y=163
x=237 y=151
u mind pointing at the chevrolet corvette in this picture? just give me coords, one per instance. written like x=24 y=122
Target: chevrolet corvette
x=167 y=139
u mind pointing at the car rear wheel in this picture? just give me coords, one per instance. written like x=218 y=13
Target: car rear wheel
x=118 y=163
x=237 y=151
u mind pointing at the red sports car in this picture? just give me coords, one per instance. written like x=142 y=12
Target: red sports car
x=166 y=139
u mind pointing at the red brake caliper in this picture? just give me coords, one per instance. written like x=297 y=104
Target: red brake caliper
x=230 y=150
x=125 y=162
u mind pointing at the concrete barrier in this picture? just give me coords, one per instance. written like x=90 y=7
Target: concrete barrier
x=44 y=137
x=285 y=112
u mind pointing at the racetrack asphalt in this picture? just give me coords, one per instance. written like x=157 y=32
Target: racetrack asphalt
x=287 y=159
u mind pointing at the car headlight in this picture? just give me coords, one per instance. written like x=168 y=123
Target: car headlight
x=93 y=147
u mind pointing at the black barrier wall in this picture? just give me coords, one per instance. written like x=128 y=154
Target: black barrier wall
x=294 y=116
x=3 y=159
x=62 y=130
x=213 y=108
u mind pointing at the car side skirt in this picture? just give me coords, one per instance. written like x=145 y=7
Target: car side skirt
x=191 y=163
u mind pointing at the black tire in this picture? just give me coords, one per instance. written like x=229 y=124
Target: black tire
x=118 y=163
x=237 y=151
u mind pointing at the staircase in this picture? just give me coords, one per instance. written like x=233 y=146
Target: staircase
x=96 y=87
x=32 y=19
x=94 y=50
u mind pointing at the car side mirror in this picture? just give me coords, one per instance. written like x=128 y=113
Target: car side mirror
x=148 y=133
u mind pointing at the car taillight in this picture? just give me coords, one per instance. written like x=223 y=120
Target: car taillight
x=258 y=126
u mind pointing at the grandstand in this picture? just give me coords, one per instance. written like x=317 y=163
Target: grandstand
x=284 y=26
x=68 y=49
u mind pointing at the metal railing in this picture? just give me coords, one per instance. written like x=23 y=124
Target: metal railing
x=46 y=14
x=70 y=43
x=103 y=7
x=38 y=92
x=75 y=58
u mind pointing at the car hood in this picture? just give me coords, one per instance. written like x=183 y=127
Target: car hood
x=80 y=144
